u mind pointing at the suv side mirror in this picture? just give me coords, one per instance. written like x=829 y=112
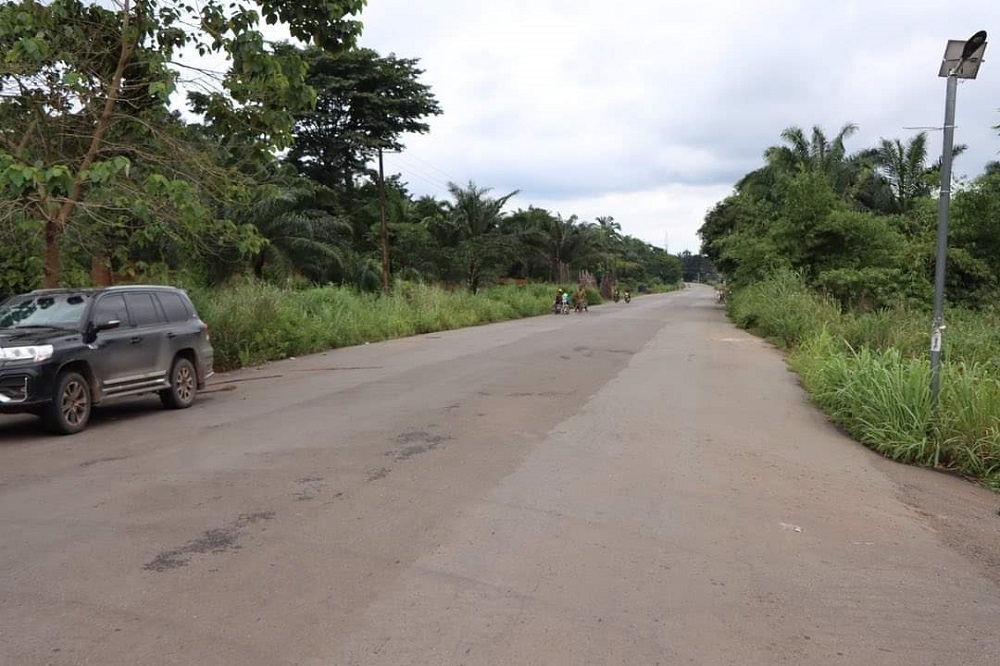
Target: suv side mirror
x=90 y=334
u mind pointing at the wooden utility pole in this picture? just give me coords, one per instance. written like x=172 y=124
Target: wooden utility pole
x=385 y=229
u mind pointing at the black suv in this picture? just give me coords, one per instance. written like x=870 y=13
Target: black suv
x=64 y=350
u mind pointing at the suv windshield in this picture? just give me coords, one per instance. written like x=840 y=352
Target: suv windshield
x=43 y=310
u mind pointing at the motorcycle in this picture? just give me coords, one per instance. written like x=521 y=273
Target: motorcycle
x=628 y=297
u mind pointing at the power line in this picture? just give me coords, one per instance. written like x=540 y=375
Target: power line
x=403 y=160
x=431 y=166
x=410 y=170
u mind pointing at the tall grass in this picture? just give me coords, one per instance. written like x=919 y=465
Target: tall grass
x=871 y=374
x=781 y=309
x=253 y=322
x=877 y=395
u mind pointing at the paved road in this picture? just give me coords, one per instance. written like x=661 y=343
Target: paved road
x=641 y=484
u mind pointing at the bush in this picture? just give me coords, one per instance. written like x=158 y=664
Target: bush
x=781 y=308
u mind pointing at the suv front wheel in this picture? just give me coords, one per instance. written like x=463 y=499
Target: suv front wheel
x=69 y=411
x=183 y=385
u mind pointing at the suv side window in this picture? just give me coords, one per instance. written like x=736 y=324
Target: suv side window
x=174 y=307
x=110 y=307
x=143 y=309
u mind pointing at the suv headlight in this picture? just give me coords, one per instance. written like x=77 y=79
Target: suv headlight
x=32 y=354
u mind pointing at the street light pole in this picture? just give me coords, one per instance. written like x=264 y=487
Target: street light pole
x=944 y=202
x=961 y=61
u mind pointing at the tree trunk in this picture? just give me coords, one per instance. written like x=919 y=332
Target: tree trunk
x=54 y=227
x=51 y=268
x=473 y=278
x=100 y=273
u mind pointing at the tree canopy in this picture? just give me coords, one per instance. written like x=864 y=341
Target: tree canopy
x=860 y=226
x=121 y=160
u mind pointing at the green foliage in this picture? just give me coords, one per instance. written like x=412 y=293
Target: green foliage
x=887 y=328
x=473 y=224
x=877 y=395
x=697 y=268
x=364 y=102
x=865 y=288
x=89 y=146
x=967 y=427
x=20 y=256
x=869 y=372
x=748 y=257
x=781 y=308
x=253 y=322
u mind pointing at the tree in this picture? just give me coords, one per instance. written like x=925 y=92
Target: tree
x=565 y=242
x=905 y=169
x=299 y=231
x=816 y=154
x=474 y=221
x=697 y=268
x=526 y=229
x=365 y=102
x=89 y=80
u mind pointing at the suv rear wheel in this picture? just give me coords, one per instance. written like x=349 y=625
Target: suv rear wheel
x=69 y=410
x=183 y=385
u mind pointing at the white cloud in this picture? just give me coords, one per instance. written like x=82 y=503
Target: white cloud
x=649 y=111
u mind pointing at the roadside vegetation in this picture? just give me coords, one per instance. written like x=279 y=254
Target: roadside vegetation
x=269 y=178
x=254 y=321
x=830 y=255
x=869 y=372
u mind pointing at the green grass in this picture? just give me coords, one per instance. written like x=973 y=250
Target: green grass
x=254 y=322
x=870 y=373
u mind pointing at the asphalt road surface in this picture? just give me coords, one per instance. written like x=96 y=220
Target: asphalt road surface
x=641 y=484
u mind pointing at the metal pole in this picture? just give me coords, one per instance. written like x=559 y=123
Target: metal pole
x=942 y=238
x=385 y=230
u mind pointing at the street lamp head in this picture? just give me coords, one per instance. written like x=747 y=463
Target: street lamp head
x=962 y=58
x=973 y=44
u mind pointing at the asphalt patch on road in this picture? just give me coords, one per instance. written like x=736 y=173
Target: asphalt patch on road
x=310 y=488
x=211 y=541
x=408 y=445
x=376 y=474
x=414 y=443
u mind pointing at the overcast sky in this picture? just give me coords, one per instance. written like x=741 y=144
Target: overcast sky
x=650 y=110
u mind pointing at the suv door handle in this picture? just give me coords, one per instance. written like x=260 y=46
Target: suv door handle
x=171 y=334
x=136 y=340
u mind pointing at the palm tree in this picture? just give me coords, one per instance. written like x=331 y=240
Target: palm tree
x=815 y=153
x=526 y=229
x=298 y=230
x=565 y=241
x=474 y=219
x=905 y=169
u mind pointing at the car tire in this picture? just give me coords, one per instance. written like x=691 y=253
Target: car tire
x=183 y=385
x=69 y=411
